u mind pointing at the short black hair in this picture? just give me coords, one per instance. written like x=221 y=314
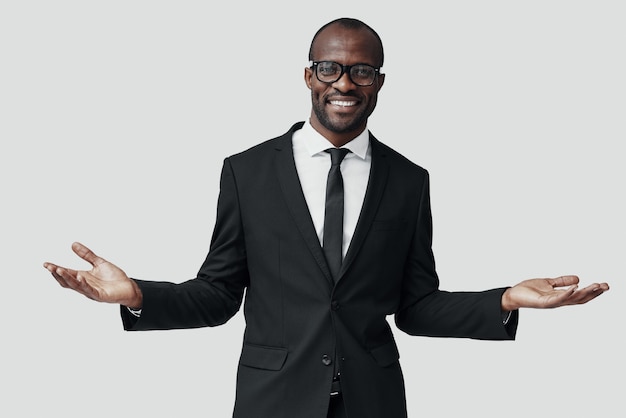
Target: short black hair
x=348 y=23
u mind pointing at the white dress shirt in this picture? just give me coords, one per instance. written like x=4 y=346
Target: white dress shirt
x=313 y=163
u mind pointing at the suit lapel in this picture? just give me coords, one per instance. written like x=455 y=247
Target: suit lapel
x=292 y=193
x=375 y=189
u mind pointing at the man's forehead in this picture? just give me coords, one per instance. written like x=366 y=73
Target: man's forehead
x=338 y=41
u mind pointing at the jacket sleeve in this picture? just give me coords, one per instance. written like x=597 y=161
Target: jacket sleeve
x=215 y=295
x=428 y=311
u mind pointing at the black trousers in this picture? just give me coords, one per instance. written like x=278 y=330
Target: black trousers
x=336 y=408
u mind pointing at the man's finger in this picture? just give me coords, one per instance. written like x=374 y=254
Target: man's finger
x=53 y=270
x=563 y=281
x=86 y=254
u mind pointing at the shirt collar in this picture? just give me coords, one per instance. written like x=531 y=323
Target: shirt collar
x=315 y=143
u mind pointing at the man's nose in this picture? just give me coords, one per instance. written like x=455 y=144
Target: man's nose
x=344 y=84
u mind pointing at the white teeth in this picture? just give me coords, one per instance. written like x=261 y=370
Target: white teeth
x=342 y=103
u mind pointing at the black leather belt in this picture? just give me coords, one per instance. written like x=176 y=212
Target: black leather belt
x=335 y=387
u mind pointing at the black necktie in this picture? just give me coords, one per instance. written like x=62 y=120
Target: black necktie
x=333 y=216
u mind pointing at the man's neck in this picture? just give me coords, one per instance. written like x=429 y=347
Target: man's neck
x=337 y=139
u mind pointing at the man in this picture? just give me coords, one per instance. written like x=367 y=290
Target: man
x=317 y=343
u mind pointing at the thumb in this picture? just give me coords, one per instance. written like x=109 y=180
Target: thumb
x=86 y=254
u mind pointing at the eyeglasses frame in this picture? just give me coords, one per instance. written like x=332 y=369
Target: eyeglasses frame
x=345 y=69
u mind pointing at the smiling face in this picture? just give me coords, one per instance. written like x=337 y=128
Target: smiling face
x=340 y=109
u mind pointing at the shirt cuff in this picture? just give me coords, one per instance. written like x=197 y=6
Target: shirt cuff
x=505 y=316
x=137 y=312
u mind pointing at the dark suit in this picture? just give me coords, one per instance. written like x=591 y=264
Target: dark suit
x=300 y=326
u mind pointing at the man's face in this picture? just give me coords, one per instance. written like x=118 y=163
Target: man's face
x=340 y=109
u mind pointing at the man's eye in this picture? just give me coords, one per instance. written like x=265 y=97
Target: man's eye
x=362 y=72
x=327 y=69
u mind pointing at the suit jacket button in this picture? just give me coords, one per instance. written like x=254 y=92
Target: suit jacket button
x=334 y=305
x=326 y=360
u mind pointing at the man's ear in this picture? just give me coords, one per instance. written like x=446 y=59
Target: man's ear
x=381 y=81
x=308 y=73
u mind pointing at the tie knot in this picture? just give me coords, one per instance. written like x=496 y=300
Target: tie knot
x=337 y=155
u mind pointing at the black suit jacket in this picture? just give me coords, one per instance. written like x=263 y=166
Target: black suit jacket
x=300 y=325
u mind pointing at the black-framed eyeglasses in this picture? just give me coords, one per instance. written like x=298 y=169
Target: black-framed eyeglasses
x=362 y=75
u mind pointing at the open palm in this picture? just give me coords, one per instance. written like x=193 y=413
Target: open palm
x=105 y=282
x=550 y=293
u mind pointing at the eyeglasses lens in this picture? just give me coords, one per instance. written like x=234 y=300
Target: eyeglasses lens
x=360 y=74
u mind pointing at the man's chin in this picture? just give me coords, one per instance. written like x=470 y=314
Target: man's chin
x=342 y=125
x=340 y=122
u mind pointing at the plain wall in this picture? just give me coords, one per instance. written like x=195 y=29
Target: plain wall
x=115 y=118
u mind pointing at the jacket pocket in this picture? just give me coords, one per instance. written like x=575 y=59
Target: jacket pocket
x=386 y=354
x=261 y=357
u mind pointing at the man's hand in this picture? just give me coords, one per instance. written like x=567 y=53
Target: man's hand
x=105 y=282
x=550 y=293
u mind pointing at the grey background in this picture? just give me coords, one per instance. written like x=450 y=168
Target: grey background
x=114 y=120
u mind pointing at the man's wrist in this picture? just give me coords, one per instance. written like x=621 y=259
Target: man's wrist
x=136 y=302
x=506 y=304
